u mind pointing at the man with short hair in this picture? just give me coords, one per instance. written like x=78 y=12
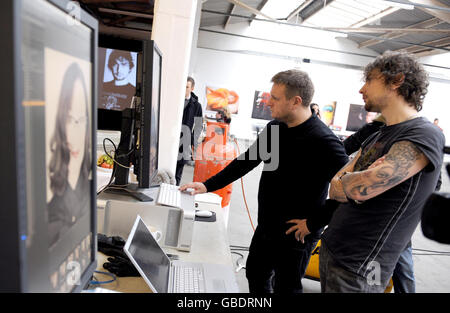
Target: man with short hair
x=381 y=192
x=300 y=155
x=119 y=91
x=192 y=124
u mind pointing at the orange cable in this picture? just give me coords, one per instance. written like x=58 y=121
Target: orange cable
x=243 y=192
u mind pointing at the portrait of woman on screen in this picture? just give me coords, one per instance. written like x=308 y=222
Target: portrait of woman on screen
x=70 y=161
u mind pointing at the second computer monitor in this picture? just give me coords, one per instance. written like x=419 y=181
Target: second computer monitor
x=149 y=122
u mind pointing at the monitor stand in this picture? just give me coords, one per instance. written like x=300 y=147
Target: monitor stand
x=130 y=190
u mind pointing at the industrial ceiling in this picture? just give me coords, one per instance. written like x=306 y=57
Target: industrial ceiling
x=417 y=26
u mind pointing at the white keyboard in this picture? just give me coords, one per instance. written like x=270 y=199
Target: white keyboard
x=169 y=195
x=188 y=280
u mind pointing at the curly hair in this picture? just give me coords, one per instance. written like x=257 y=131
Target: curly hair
x=391 y=64
x=297 y=83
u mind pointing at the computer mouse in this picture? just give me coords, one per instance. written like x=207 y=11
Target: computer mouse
x=203 y=213
x=189 y=190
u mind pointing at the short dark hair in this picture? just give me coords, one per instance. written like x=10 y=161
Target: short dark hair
x=297 y=83
x=115 y=54
x=390 y=64
x=190 y=79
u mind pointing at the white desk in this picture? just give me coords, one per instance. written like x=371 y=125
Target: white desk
x=209 y=244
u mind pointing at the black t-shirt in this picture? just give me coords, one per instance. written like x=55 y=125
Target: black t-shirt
x=380 y=228
x=294 y=181
x=114 y=97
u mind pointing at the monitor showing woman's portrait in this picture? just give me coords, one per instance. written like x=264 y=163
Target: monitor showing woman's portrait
x=69 y=159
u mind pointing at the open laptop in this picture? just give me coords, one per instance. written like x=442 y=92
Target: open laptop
x=165 y=276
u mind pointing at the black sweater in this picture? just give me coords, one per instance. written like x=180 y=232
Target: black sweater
x=296 y=174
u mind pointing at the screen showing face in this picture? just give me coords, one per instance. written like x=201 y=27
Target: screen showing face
x=117 y=78
x=57 y=65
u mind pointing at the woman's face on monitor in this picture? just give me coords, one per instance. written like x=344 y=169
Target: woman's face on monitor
x=76 y=122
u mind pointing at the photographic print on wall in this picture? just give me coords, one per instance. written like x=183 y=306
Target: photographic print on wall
x=219 y=98
x=358 y=116
x=260 y=108
x=328 y=112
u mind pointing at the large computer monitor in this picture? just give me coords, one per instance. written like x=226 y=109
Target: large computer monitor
x=138 y=122
x=48 y=118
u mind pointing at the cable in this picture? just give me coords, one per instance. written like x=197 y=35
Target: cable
x=110 y=185
x=239 y=265
x=432 y=251
x=96 y=282
x=233 y=247
x=243 y=192
x=115 y=149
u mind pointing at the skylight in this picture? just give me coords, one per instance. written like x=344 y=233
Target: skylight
x=352 y=13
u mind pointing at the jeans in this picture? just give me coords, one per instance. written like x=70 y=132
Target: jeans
x=278 y=265
x=403 y=276
x=334 y=278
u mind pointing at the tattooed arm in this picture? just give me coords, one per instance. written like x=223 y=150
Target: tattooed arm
x=401 y=162
x=336 y=191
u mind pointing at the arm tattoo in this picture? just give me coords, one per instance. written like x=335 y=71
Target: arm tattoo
x=396 y=167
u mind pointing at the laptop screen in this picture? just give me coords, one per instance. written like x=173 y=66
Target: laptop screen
x=150 y=257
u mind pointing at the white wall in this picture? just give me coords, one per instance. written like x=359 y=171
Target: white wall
x=172 y=30
x=247 y=64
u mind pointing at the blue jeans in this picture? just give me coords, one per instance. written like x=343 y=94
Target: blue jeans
x=403 y=276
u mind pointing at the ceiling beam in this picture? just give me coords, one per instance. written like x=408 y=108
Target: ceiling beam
x=249 y=8
x=384 y=29
x=233 y=6
x=125 y=32
x=123 y=12
x=259 y=8
x=109 y=1
x=439 y=43
x=392 y=35
x=313 y=8
x=299 y=9
x=120 y=20
x=440 y=14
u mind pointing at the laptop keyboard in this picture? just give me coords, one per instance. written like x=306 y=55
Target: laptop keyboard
x=188 y=280
x=169 y=195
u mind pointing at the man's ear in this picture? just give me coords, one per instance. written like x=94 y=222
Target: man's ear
x=298 y=100
x=398 y=81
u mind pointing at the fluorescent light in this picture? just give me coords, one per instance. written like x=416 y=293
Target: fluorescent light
x=280 y=9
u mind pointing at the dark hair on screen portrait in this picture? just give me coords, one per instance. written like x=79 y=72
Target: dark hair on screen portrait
x=391 y=64
x=115 y=54
x=59 y=147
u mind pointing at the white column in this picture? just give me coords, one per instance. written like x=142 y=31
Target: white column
x=172 y=31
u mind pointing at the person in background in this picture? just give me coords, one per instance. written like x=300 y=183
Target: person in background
x=223 y=116
x=191 y=128
x=315 y=109
x=436 y=122
x=289 y=186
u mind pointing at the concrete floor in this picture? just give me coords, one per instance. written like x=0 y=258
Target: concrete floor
x=432 y=272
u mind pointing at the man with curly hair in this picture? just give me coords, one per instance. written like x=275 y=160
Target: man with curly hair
x=376 y=199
